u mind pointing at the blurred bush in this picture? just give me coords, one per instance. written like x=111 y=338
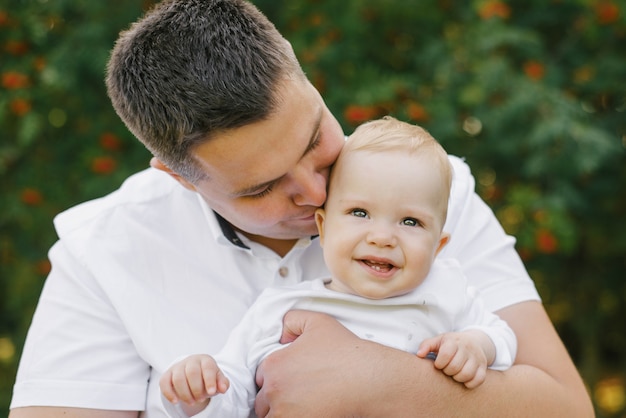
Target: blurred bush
x=532 y=93
x=61 y=142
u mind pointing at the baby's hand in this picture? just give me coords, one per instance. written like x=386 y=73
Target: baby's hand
x=193 y=381
x=462 y=355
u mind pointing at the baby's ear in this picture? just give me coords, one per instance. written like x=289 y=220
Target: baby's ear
x=160 y=165
x=319 y=220
x=443 y=241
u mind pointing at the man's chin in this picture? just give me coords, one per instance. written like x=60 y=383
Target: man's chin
x=308 y=231
x=291 y=233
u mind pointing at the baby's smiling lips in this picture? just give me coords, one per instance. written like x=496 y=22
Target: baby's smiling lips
x=380 y=266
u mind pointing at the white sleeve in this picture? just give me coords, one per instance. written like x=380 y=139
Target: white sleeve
x=478 y=318
x=254 y=338
x=486 y=253
x=233 y=361
x=217 y=408
x=74 y=324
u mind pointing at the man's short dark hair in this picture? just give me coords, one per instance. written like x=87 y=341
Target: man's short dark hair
x=192 y=68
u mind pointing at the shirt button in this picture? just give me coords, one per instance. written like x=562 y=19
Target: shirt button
x=283 y=271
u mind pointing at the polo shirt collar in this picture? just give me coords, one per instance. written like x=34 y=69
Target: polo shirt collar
x=229 y=232
x=231 y=235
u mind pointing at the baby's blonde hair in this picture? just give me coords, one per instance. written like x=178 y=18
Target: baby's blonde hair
x=390 y=134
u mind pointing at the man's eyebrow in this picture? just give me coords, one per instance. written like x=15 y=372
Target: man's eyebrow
x=250 y=190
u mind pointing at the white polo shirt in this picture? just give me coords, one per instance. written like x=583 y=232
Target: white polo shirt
x=148 y=274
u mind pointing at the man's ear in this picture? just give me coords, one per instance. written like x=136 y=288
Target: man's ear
x=445 y=238
x=319 y=220
x=159 y=165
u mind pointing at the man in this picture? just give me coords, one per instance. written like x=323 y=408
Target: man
x=156 y=271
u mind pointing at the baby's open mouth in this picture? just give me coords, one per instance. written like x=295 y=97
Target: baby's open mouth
x=378 y=266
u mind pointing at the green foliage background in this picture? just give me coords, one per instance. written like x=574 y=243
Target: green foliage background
x=531 y=92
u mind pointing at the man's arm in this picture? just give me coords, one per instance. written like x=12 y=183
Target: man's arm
x=59 y=412
x=544 y=366
x=328 y=371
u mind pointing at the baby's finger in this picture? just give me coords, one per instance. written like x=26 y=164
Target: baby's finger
x=445 y=359
x=181 y=386
x=222 y=382
x=429 y=345
x=195 y=380
x=456 y=362
x=479 y=377
x=165 y=384
x=466 y=372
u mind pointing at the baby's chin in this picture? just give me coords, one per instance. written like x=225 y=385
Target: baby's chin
x=369 y=293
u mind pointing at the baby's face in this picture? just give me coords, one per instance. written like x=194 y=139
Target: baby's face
x=381 y=226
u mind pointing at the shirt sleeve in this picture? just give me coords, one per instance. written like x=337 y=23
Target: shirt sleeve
x=217 y=408
x=502 y=336
x=486 y=253
x=77 y=352
x=255 y=337
x=251 y=341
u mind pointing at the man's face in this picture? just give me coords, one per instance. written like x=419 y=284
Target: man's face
x=268 y=178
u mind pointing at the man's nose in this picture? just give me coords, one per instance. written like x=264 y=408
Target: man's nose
x=309 y=188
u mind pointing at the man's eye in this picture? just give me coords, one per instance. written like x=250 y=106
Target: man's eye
x=359 y=213
x=315 y=143
x=262 y=193
x=410 y=222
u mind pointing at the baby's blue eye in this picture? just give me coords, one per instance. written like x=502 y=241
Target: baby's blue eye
x=360 y=213
x=410 y=222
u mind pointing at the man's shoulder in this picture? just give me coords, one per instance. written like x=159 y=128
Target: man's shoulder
x=462 y=177
x=461 y=193
x=146 y=191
